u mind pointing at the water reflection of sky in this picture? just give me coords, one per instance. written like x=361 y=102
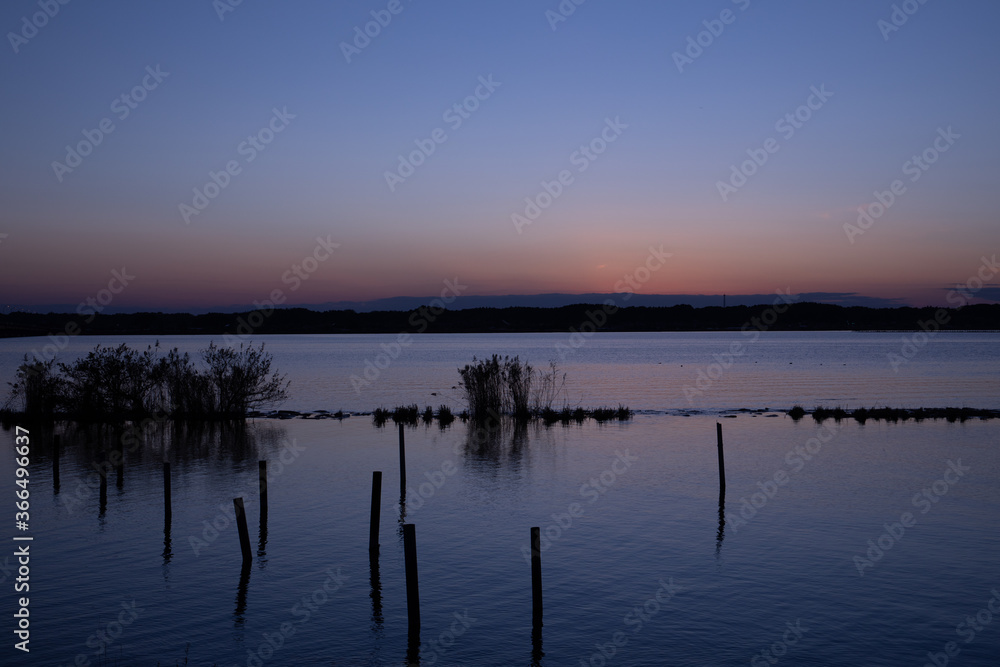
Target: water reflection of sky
x=612 y=533
x=646 y=371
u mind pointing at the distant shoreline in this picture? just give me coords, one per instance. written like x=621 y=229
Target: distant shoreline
x=580 y=318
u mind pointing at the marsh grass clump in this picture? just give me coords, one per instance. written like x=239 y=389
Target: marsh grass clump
x=121 y=383
x=502 y=386
x=548 y=415
x=820 y=413
x=517 y=383
x=549 y=386
x=445 y=415
x=862 y=415
x=604 y=414
x=621 y=413
x=428 y=415
x=380 y=416
x=406 y=414
x=36 y=388
x=797 y=412
x=497 y=386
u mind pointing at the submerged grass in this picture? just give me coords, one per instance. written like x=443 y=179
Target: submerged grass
x=412 y=415
x=861 y=415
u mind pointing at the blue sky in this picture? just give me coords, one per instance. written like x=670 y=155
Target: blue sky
x=657 y=183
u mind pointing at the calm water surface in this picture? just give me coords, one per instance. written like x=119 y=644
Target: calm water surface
x=646 y=371
x=804 y=553
x=654 y=522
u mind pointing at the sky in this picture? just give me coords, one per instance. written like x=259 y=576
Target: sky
x=195 y=153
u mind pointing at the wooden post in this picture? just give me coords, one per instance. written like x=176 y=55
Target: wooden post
x=722 y=460
x=402 y=463
x=241 y=524
x=376 y=512
x=262 y=479
x=412 y=588
x=536 y=576
x=166 y=489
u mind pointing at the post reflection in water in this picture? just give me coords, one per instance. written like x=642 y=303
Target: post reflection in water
x=103 y=502
x=536 y=646
x=167 y=510
x=721 y=534
x=262 y=539
x=167 y=552
x=119 y=454
x=239 y=618
x=402 y=515
x=156 y=445
x=413 y=647
x=262 y=531
x=56 y=446
x=376 y=595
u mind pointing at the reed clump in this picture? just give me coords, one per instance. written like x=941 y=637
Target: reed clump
x=445 y=415
x=501 y=386
x=497 y=386
x=121 y=383
x=406 y=414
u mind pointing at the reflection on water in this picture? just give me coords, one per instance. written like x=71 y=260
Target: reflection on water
x=241 y=597
x=474 y=491
x=103 y=448
x=721 y=534
x=166 y=517
x=644 y=370
x=376 y=594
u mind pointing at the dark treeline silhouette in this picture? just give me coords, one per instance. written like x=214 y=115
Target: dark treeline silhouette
x=797 y=317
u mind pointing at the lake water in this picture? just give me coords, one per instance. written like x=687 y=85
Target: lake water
x=646 y=371
x=877 y=545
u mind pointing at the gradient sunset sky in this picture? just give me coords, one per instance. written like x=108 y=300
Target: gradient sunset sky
x=886 y=95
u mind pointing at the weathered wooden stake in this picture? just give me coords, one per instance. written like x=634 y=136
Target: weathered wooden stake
x=412 y=588
x=166 y=489
x=536 y=576
x=376 y=512
x=262 y=478
x=402 y=463
x=241 y=524
x=722 y=460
